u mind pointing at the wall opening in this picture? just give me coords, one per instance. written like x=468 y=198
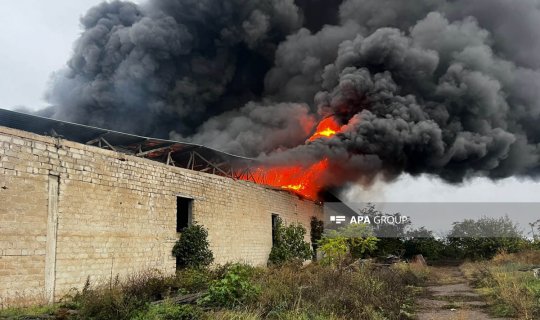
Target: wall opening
x=183 y=213
x=275 y=218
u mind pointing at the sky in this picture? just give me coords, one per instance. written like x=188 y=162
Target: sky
x=37 y=39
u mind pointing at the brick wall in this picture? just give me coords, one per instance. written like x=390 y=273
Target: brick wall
x=70 y=211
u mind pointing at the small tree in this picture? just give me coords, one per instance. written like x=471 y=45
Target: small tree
x=335 y=251
x=191 y=250
x=289 y=244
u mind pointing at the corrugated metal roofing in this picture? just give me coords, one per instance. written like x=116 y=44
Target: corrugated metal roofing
x=155 y=149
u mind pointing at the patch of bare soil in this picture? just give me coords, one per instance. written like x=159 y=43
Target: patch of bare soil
x=451 y=298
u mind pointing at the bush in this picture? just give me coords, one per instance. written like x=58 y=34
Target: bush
x=289 y=244
x=421 y=241
x=387 y=246
x=193 y=280
x=353 y=241
x=191 y=250
x=234 y=289
x=169 y=311
x=334 y=251
x=483 y=238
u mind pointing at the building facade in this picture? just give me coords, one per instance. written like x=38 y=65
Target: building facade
x=70 y=211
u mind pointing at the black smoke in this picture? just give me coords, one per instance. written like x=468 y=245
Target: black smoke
x=450 y=88
x=169 y=65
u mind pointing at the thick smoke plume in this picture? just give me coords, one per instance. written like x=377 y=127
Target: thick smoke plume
x=450 y=88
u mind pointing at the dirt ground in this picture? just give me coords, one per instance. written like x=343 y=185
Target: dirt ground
x=451 y=298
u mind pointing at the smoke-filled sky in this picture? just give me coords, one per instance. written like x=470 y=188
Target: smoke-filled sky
x=451 y=89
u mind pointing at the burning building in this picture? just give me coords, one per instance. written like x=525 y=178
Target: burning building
x=79 y=202
x=296 y=95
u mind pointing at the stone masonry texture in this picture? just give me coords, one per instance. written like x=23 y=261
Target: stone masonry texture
x=69 y=212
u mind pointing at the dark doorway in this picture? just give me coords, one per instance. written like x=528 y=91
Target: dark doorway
x=183 y=213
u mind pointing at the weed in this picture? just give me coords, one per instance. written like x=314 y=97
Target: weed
x=170 y=311
x=234 y=289
x=508 y=283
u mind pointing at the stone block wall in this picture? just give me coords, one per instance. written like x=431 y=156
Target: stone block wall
x=69 y=212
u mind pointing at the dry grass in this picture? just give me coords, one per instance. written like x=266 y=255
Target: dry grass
x=508 y=283
x=23 y=299
x=120 y=299
x=287 y=315
x=287 y=292
x=530 y=257
x=443 y=276
x=362 y=294
x=416 y=272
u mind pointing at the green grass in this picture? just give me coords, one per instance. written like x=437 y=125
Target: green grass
x=19 y=313
x=170 y=311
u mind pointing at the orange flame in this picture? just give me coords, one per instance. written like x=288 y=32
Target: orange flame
x=327 y=128
x=305 y=181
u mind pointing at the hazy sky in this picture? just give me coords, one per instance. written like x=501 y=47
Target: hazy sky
x=37 y=38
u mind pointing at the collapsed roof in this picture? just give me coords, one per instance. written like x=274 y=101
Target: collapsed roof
x=175 y=153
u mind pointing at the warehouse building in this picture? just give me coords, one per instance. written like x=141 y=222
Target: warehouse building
x=79 y=202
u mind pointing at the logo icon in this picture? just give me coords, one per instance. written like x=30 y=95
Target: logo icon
x=337 y=219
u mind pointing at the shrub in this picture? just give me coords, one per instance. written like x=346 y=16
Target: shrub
x=289 y=244
x=191 y=280
x=170 y=311
x=334 y=250
x=352 y=241
x=483 y=238
x=386 y=246
x=421 y=241
x=234 y=289
x=191 y=250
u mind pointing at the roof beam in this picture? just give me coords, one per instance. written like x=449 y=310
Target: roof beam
x=144 y=153
x=212 y=165
x=96 y=140
x=108 y=144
